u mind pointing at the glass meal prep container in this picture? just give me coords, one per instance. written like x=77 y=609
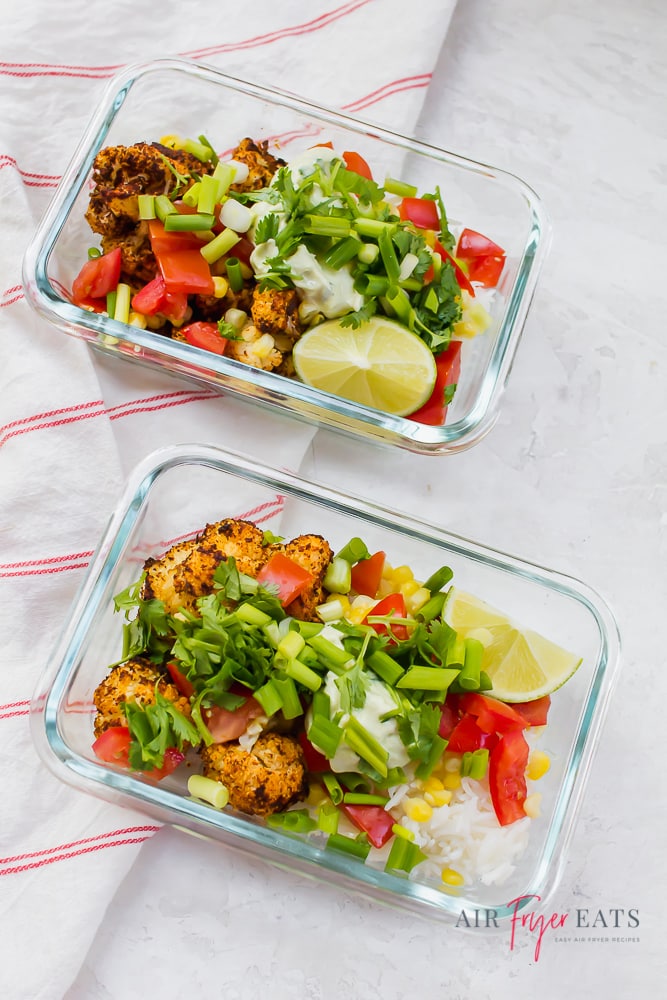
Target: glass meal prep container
x=173 y=96
x=172 y=495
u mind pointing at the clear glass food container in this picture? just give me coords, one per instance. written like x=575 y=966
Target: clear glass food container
x=176 y=96
x=171 y=496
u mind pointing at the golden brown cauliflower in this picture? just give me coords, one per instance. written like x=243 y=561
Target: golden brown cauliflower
x=261 y=164
x=134 y=680
x=276 y=312
x=255 y=348
x=264 y=780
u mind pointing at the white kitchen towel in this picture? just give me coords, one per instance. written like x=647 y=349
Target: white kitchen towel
x=72 y=425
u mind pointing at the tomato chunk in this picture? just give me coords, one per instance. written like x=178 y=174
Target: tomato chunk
x=357 y=164
x=290 y=578
x=492 y=716
x=185 y=687
x=180 y=261
x=535 y=712
x=113 y=746
x=486 y=271
x=507 y=777
x=472 y=244
x=228 y=724
x=448 y=372
x=154 y=298
x=468 y=736
x=374 y=821
x=97 y=278
x=206 y=336
x=422 y=212
x=367 y=573
x=392 y=604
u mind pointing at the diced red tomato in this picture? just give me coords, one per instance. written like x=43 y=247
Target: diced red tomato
x=468 y=736
x=492 y=716
x=180 y=261
x=367 y=573
x=421 y=212
x=507 y=776
x=180 y=681
x=357 y=164
x=486 y=270
x=172 y=758
x=449 y=717
x=154 y=298
x=472 y=245
x=225 y=724
x=448 y=372
x=316 y=762
x=113 y=746
x=206 y=336
x=392 y=604
x=461 y=276
x=374 y=821
x=96 y=279
x=163 y=241
x=535 y=712
x=290 y=578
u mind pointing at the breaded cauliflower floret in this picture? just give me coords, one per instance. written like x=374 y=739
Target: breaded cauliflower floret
x=159 y=583
x=261 y=164
x=134 y=680
x=264 y=780
x=313 y=553
x=255 y=349
x=276 y=311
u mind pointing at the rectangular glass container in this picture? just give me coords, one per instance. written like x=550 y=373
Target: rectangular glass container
x=171 y=96
x=172 y=495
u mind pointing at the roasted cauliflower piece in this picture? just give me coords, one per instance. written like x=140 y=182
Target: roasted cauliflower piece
x=261 y=164
x=276 y=312
x=264 y=780
x=160 y=581
x=134 y=680
x=313 y=553
x=255 y=348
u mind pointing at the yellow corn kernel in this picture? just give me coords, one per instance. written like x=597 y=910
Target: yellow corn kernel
x=452 y=780
x=417 y=809
x=220 y=287
x=432 y=784
x=416 y=600
x=538 y=765
x=437 y=799
x=475 y=318
x=172 y=141
x=451 y=877
x=533 y=805
x=359 y=608
x=402 y=574
x=263 y=346
x=409 y=588
x=136 y=319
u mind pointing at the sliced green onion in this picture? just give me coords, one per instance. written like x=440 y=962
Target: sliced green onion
x=330 y=652
x=477 y=764
x=219 y=246
x=94 y=253
x=289 y=696
x=469 y=676
x=303 y=674
x=439 y=579
x=122 y=307
x=365 y=745
x=485 y=682
x=296 y=821
x=342 y=252
x=269 y=698
x=348 y=845
x=191 y=196
x=331 y=611
x=146 y=204
x=291 y=645
x=338 y=577
x=432 y=609
x=272 y=633
x=333 y=787
x=326 y=225
x=234 y=274
x=352 y=780
x=252 y=615
x=208 y=790
x=224 y=173
x=427 y=678
x=208 y=195
x=214 y=156
x=111 y=303
x=355 y=550
x=328 y=817
x=373 y=227
x=321 y=704
x=164 y=207
x=368 y=253
x=402 y=831
x=456 y=653
x=404 y=855
x=372 y=285
x=360 y=799
x=306 y=629
x=325 y=735
x=188 y=223
x=385 y=667
x=198 y=149
x=400 y=188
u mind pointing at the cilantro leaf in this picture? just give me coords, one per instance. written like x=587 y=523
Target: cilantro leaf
x=154 y=729
x=267 y=228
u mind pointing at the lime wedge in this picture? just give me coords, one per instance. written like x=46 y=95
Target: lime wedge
x=380 y=364
x=522 y=664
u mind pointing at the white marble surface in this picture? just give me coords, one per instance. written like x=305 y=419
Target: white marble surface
x=571 y=97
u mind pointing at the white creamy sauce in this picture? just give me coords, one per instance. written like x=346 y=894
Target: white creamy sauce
x=378 y=701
